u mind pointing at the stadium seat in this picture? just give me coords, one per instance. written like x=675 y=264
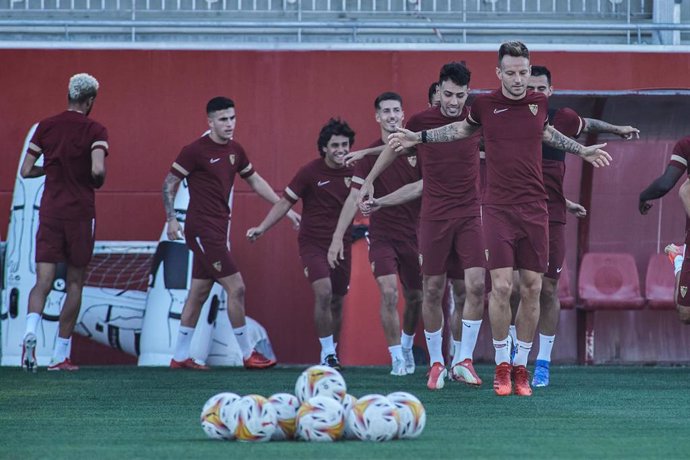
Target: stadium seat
x=660 y=283
x=564 y=294
x=609 y=281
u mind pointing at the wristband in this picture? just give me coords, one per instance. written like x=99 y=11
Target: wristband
x=424 y=137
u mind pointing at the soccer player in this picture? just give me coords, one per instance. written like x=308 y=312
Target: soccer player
x=209 y=164
x=392 y=238
x=568 y=122
x=74 y=148
x=434 y=95
x=677 y=167
x=450 y=234
x=323 y=185
x=514 y=123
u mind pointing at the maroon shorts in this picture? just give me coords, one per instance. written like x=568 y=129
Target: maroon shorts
x=517 y=236
x=390 y=257
x=683 y=295
x=556 y=250
x=212 y=259
x=67 y=241
x=315 y=262
x=451 y=245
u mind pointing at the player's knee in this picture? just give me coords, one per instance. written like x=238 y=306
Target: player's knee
x=502 y=289
x=389 y=296
x=684 y=314
x=475 y=290
x=530 y=288
x=237 y=291
x=323 y=296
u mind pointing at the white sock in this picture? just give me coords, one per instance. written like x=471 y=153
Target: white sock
x=457 y=344
x=470 y=332
x=512 y=332
x=327 y=346
x=545 y=347
x=434 y=344
x=502 y=350
x=523 y=349
x=243 y=341
x=677 y=264
x=69 y=347
x=60 y=350
x=32 y=320
x=406 y=341
x=396 y=353
x=184 y=340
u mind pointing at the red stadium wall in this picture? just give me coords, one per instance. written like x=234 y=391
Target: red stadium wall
x=153 y=103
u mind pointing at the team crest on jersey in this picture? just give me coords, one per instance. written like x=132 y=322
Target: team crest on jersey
x=232 y=158
x=306 y=272
x=683 y=291
x=348 y=181
x=412 y=159
x=373 y=267
x=217 y=265
x=534 y=108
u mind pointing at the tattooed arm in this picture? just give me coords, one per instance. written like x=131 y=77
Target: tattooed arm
x=592 y=125
x=170 y=184
x=592 y=154
x=405 y=138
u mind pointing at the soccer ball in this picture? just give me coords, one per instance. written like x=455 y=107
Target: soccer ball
x=412 y=414
x=211 y=423
x=250 y=418
x=286 y=406
x=348 y=402
x=320 y=419
x=374 y=418
x=320 y=381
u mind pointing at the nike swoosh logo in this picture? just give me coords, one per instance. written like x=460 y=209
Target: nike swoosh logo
x=558 y=270
x=499 y=111
x=322 y=183
x=214 y=160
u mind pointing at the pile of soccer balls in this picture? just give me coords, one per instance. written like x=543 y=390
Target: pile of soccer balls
x=320 y=410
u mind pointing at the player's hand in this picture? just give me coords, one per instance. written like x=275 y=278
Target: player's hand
x=353 y=157
x=295 y=218
x=628 y=132
x=336 y=252
x=644 y=207
x=403 y=139
x=595 y=155
x=365 y=191
x=576 y=209
x=369 y=206
x=174 y=230
x=254 y=233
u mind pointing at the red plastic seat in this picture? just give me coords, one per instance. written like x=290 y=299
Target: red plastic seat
x=564 y=294
x=609 y=281
x=660 y=283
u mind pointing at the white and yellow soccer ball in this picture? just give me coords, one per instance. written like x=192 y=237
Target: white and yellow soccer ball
x=412 y=414
x=374 y=418
x=211 y=422
x=348 y=402
x=320 y=381
x=320 y=419
x=286 y=406
x=251 y=418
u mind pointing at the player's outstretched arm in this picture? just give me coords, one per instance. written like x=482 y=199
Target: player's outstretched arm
x=592 y=154
x=660 y=187
x=592 y=125
x=98 y=167
x=279 y=209
x=405 y=138
x=353 y=157
x=29 y=168
x=576 y=209
x=174 y=230
x=336 y=251
x=404 y=194
x=265 y=191
x=382 y=162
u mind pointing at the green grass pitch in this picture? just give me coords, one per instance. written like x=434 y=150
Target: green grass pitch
x=129 y=412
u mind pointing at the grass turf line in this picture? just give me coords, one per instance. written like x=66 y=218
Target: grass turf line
x=129 y=412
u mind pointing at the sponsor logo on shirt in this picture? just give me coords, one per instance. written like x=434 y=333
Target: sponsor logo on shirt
x=497 y=111
x=232 y=159
x=534 y=108
x=321 y=183
x=412 y=159
x=214 y=160
x=348 y=181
